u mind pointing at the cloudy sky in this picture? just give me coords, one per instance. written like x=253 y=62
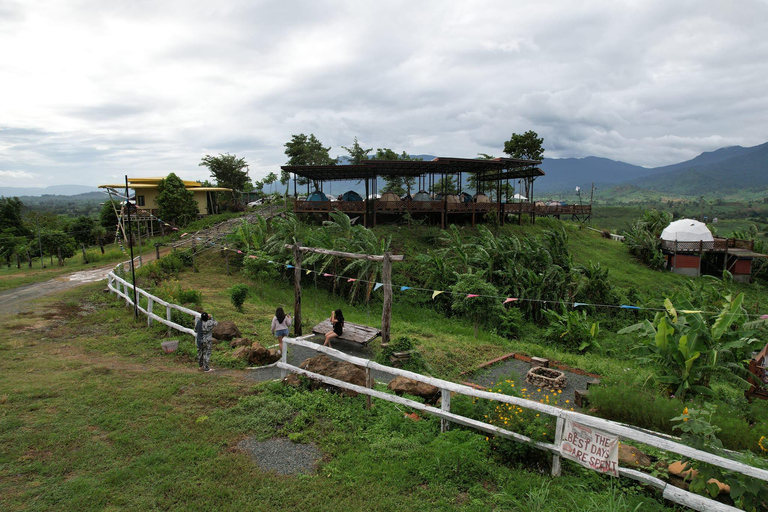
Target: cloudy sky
x=93 y=90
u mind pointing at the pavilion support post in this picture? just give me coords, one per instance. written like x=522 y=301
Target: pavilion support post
x=386 y=311
x=367 y=200
x=296 y=290
x=674 y=257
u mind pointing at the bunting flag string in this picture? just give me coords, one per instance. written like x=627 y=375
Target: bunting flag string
x=506 y=300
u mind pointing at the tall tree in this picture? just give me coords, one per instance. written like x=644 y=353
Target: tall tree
x=357 y=154
x=10 y=216
x=108 y=215
x=229 y=172
x=270 y=179
x=527 y=146
x=397 y=184
x=303 y=150
x=176 y=203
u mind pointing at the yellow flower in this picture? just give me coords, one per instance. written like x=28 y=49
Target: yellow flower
x=685 y=411
x=567 y=401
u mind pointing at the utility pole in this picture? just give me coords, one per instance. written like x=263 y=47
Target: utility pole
x=130 y=245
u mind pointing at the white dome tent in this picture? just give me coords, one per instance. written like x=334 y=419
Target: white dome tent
x=687 y=230
x=684 y=243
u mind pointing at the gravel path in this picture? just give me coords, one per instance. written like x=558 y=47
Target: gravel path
x=281 y=455
x=503 y=370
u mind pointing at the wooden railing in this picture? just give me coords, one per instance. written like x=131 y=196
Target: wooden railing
x=403 y=206
x=659 y=441
x=716 y=245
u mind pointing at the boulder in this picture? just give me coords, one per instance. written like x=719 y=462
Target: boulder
x=242 y=353
x=256 y=355
x=226 y=331
x=239 y=342
x=339 y=370
x=631 y=457
x=261 y=356
x=402 y=385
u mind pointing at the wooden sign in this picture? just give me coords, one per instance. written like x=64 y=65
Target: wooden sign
x=590 y=447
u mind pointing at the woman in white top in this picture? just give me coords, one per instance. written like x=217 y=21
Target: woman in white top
x=280 y=324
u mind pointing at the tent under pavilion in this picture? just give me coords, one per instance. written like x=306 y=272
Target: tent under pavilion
x=489 y=174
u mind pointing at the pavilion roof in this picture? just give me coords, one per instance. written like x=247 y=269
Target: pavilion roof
x=496 y=168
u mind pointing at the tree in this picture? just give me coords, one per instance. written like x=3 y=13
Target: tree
x=108 y=215
x=176 y=203
x=10 y=216
x=445 y=185
x=475 y=298
x=527 y=146
x=270 y=179
x=82 y=230
x=303 y=150
x=472 y=181
x=228 y=171
x=397 y=184
x=58 y=242
x=357 y=154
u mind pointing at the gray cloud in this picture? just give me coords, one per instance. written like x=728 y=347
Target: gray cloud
x=103 y=89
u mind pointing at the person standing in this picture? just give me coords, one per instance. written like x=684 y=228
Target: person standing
x=280 y=324
x=337 y=322
x=204 y=339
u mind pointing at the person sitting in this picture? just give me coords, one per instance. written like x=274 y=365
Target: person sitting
x=337 y=321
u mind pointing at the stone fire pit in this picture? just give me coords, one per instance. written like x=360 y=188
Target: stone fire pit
x=546 y=378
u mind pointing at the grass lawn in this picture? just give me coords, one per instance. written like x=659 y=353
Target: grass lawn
x=95 y=416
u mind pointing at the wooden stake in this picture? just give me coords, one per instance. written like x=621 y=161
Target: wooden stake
x=386 y=312
x=296 y=290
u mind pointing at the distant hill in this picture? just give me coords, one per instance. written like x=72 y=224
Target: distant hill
x=726 y=170
x=57 y=190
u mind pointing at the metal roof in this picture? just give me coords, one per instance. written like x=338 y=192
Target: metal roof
x=497 y=168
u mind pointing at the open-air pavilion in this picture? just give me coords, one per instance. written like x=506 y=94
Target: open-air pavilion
x=490 y=175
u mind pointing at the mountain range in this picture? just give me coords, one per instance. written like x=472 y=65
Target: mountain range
x=725 y=171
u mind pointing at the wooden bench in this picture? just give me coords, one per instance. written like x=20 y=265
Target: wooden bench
x=352 y=332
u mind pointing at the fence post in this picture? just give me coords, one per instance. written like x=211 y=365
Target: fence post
x=168 y=316
x=284 y=359
x=125 y=291
x=558 y=440
x=445 y=398
x=150 y=303
x=369 y=385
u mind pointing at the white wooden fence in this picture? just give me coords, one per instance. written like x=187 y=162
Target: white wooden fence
x=124 y=289
x=660 y=441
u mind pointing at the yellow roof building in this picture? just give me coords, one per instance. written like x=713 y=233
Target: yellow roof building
x=146 y=192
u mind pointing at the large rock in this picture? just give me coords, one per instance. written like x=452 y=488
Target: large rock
x=261 y=356
x=226 y=331
x=239 y=342
x=339 y=370
x=256 y=355
x=402 y=385
x=631 y=457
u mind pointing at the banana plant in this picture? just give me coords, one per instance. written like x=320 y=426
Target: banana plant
x=689 y=346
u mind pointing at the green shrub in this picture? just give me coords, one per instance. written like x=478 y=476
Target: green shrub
x=171 y=264
x=620 y=401
x=237 y=294
x=572 y=329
